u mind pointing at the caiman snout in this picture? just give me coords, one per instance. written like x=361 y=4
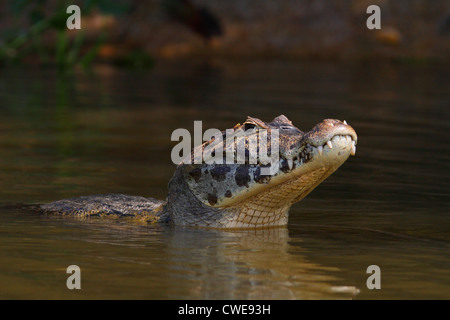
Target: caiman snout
x=324 y=133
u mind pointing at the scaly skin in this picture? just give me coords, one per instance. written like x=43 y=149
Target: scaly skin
x=235 y=195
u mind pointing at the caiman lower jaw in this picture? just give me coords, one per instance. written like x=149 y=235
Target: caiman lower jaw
x=271 y=207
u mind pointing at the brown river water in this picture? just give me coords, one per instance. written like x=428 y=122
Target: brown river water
x=109 y=132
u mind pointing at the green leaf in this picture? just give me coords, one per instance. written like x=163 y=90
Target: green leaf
x=61 y=49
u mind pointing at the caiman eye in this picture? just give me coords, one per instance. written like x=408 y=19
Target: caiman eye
x=249 y=126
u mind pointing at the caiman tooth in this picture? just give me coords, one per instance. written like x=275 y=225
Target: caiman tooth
x=329 y=144
x=345 y=122
x=320 y=149
x=353 y=152
x=290 y=163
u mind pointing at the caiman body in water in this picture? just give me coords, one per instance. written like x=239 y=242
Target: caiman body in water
x=235 y=195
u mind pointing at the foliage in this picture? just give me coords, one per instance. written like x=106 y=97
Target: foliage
x=20 y=42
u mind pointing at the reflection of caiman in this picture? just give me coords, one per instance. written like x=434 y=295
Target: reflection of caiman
x=235 y=195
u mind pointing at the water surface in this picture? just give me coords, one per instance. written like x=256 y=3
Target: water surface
x=77 y=134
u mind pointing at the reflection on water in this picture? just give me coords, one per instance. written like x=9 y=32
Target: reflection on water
x=78 y=134
x=176 y=262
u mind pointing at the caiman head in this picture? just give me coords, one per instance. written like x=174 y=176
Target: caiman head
x=249 y=194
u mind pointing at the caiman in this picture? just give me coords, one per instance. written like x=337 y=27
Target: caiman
x=234 y=195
